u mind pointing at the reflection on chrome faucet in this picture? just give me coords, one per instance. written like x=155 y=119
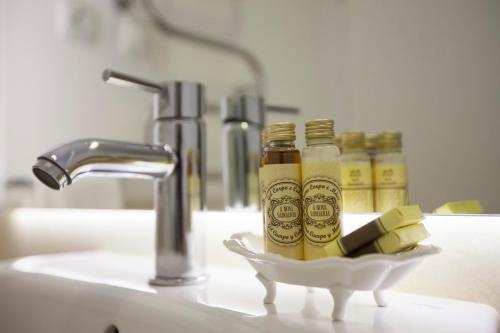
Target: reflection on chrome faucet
x=243 y=119
x=67 y=163
x=176 y=162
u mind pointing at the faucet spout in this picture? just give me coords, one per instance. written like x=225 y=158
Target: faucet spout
x=69 y=162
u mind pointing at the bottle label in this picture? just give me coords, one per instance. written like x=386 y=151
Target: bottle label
x=254 y=189
x=356 y=175
x=391 y=185
x=357 y=187
x=262 y=190
x=322 y=197
x=391 y=175
x=283 y=204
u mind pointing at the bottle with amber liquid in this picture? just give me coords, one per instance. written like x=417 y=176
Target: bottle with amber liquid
x=281 y=175
x=356 y=174
x=391 y=173
x=321 y=188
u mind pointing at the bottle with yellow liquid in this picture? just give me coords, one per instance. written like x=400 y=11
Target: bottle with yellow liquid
x=281 y=174
x=391 y=173
x=356 y=174
x=321 y=188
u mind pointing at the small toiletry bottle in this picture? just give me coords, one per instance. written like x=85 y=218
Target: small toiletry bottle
x=321 y=188
x=391 y=174
x=281 y=173
x=357 y=185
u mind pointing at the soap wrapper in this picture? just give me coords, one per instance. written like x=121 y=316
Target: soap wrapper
x=393 y=219
x=395 y=241
x=461 y=207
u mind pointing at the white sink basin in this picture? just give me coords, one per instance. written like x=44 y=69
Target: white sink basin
x=106 y=292
x=101 y=290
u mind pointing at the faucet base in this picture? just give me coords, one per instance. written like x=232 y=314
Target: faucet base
x=177 y=281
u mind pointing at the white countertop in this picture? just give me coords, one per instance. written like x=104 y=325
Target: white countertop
x=465 y=269
x=86 y=291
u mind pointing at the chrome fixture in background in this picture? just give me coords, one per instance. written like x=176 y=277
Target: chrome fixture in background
x=243 y=113
x=176 y=162
x=243 y=120
x=243 y=117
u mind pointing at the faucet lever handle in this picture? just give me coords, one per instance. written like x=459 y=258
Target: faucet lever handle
x=125 y=80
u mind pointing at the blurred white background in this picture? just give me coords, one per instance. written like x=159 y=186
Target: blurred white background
x=429 y=68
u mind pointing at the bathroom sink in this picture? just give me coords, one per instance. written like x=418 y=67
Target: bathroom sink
x=106 y=292
x=99 y=284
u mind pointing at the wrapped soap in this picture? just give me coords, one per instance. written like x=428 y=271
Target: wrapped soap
x=393 y=219
x=395 y=241
x=461 y=207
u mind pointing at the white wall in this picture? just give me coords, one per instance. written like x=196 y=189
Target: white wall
x=432 y=70
x=428 y=68
x=304 y=46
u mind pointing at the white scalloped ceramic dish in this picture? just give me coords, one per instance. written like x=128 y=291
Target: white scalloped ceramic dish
x=341 y=276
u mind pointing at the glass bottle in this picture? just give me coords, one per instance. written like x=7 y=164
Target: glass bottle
x=357 y=184
x=281 y=173
x=321 y=188
x=391 y=173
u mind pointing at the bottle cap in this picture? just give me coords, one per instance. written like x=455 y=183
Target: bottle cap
x=353 y=140
x=389 y=140
x=283 y=131
x=320 y=129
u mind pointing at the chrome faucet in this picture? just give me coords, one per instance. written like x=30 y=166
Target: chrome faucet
x=244 y=117
x=176 y=162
